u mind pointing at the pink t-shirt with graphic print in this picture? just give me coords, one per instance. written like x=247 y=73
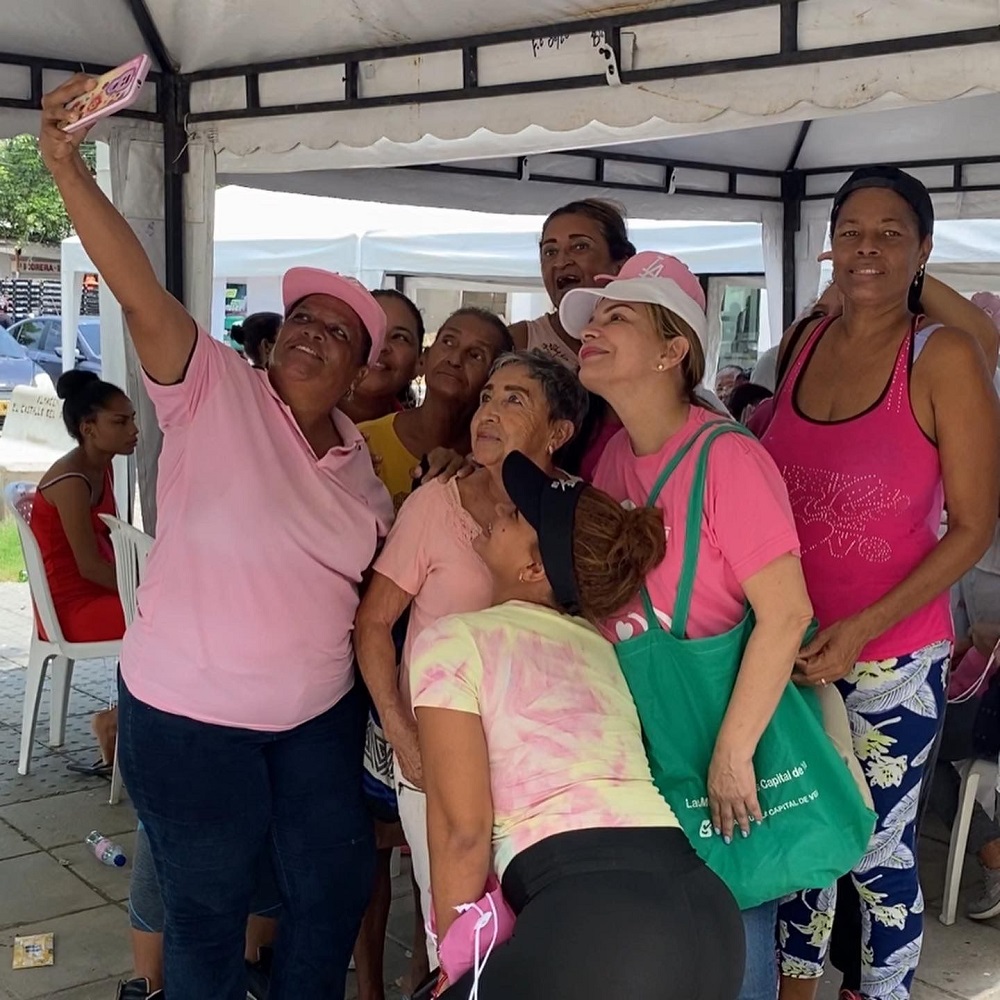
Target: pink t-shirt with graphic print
x=748 y=523
x=248 y=600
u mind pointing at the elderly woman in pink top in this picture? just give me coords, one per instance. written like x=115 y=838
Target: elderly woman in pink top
x=642 y=349
x=533 y=404
x=881 y=419
x=241 y=725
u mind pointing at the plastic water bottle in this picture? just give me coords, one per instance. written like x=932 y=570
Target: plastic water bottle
x=106 y=851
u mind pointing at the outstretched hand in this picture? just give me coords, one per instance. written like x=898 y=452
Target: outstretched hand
x=57 y=146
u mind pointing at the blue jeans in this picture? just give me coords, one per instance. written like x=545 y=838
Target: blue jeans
x=213 y=800
x=760 y=977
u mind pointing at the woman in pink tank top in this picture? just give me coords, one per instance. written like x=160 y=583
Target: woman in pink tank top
x=881 y=419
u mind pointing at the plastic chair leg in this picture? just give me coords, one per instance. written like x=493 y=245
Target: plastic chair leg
x=116 y=780
x=959 y=842
x=33 y=684
x=62 y=675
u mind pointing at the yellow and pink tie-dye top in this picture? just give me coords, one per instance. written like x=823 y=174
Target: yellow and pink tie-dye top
x=562 y=732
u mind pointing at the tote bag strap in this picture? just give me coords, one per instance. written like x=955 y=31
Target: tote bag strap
x=668 y=469
x=712 y=428
x=692 y=528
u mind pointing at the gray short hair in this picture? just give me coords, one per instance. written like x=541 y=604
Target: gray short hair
x=566 y=397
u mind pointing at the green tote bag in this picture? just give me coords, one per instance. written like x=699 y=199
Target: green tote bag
x=816 y=825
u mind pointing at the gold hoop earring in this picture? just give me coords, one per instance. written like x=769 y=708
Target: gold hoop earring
x=520 y=577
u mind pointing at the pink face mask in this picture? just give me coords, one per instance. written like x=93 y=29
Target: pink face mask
x=470 y=940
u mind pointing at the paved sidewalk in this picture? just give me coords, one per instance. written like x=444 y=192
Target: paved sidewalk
x=50 y=882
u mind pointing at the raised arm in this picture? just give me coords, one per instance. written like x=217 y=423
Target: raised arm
x=944 y=305
x=161 y=329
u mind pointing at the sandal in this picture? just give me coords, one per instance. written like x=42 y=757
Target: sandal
x=100 y=768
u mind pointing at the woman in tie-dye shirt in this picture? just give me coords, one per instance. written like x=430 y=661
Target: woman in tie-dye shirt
x=534 y=767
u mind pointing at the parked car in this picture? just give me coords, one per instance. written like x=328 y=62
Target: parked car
x=41 y=337
x=16 y=368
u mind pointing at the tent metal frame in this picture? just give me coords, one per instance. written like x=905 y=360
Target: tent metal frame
x=173 y=90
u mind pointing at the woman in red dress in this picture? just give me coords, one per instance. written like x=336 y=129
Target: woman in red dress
x=74 y=541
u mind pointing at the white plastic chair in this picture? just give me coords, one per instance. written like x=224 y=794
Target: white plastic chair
x=55 y=649
x=973 y=772
x=131 y=552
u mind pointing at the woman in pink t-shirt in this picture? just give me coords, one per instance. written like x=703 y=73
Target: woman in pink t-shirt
x=643 y=337
x=531 y=403
x=241 y=726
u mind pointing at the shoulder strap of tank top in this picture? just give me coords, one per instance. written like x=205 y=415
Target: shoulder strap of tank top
x=783 y=361
x=67 y=475
x=109 y=487
x=795 y=368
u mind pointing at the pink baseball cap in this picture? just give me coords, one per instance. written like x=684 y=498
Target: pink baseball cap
x=650 y=277
x=300 y=282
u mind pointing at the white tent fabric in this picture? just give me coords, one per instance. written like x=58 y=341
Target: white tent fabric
x=710 y=104
x=259 y=234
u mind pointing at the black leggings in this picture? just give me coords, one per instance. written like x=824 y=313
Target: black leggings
x=614 y=914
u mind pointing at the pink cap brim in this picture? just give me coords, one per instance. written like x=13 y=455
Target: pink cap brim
x=300 y=282
x=578 y=305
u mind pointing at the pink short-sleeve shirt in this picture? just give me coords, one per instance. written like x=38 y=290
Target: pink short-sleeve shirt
x=248 y=601
x=429 y=554
x=748 y=523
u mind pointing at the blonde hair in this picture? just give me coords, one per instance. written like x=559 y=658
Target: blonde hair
x=670 y=326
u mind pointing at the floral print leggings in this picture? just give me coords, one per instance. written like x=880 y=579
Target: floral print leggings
x=895 y=707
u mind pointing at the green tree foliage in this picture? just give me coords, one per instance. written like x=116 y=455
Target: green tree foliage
x=31 y=210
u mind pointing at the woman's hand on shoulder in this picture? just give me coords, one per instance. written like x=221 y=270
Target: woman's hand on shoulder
x=445 y=464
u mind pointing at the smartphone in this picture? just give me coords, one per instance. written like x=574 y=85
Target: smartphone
x=115 y=91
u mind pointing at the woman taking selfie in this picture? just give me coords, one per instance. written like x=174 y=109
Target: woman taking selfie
x=241 y=727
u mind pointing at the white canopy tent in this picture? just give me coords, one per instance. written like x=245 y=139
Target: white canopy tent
x=259 y=234
x=699 y=109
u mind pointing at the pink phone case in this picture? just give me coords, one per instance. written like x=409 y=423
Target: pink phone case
x=115 y=91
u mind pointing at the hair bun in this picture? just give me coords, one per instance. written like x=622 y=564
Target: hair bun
x=236 y=334
x=641 y=541
x=73 y=382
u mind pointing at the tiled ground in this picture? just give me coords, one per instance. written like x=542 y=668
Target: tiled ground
x=49 y=882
